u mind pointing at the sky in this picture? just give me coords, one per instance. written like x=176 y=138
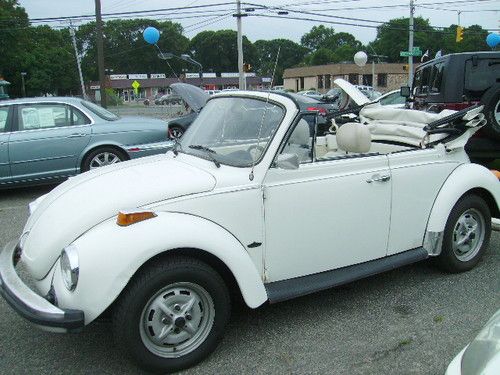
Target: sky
x=440 y=13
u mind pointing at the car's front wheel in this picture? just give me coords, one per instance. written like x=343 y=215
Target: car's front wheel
x=466 y=236
x=101 y=157
x=172 y=315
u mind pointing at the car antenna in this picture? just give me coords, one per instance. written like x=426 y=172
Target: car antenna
x=251 y=176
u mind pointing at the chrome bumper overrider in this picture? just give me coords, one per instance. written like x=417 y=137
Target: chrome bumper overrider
x=30 y=305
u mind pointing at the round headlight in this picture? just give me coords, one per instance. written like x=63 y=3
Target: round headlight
x=69 y=267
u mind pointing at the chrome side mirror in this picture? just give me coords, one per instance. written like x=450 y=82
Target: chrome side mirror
x=287 y=161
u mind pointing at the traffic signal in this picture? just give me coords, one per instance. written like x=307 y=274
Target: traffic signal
x=460 y=34
x=247 y=67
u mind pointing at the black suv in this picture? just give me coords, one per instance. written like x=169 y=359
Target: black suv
x=458 y=81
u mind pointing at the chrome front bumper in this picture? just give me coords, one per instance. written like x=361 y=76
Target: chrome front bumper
x=30 y=305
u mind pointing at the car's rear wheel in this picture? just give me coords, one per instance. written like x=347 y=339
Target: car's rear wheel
x=172 y=315
x=466 y=236
x=175 y=131
x=101 y=157
x=491 y=102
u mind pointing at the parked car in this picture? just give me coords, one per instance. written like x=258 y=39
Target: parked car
x=45 y=140
x=312 y=94
x=392 y=99
x=457 y=81
x=168 y=99
x=248 y=201
x=482 y=355
x=195 y=99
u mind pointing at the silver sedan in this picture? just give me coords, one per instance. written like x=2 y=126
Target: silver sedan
x=45 y=140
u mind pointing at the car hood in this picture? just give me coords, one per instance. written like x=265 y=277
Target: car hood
x=356 y=95
x=192 y=95
x=86 y=200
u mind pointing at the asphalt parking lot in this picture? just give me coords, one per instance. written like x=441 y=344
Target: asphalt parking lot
x=409 y=321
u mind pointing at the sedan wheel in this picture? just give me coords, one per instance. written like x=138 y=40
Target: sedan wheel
x=104 y=158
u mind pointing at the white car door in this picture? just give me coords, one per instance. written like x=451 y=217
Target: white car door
x=325 y=214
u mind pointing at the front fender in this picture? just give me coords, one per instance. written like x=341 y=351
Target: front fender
x=463 y=179
x=109 y=255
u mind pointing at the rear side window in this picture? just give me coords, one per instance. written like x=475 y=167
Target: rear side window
x=429 y=80
x=4 y=115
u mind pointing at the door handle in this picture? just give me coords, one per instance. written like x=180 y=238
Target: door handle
x=379 y=178
x=76 y=135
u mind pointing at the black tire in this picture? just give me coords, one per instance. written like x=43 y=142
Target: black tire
x=86 y=164
x=474 y=209
x=128 y=312
x=175 y=131
x=491 y=102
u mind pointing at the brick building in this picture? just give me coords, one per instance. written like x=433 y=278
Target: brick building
x=320 y=77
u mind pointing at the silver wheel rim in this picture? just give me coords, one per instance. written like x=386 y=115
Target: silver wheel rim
x=177 y=320
x=497 y=113
x=176 y=133
x=468 y=235
x=104 y=158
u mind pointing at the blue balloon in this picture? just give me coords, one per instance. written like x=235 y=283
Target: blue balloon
x=151 y=35
x=493 y=40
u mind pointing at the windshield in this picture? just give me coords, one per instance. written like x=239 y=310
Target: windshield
x=233 y=131
x=99 y=111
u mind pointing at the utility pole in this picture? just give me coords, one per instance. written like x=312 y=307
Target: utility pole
x=410 y=43
x=238 y=15
x=23 y=86
x=100 y=52
x=78 y=63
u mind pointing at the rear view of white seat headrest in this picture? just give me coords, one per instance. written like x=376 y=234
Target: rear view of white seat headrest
x=354 y=137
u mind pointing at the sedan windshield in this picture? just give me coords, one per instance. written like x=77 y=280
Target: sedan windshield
x=233 y=130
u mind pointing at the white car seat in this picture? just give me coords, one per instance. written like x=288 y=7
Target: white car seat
x=299 y=142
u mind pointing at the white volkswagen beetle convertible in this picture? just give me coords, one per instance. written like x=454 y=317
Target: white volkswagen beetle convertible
x=256 y=200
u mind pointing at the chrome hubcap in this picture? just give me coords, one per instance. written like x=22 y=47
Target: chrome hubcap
x=468 y=235
x=177 y=320
x=104 y=158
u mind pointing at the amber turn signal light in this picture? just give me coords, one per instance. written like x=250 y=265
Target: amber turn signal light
x=125 y=219
x=496 y=173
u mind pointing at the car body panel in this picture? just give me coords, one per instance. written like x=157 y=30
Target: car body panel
x=166 y=231
x=130 y=189
x=353 y=92
x=192 y=95
x=463 y=179
x=333 y=186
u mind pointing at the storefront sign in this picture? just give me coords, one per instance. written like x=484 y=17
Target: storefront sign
x=117 y=76
x=157 y=75
x=137 y=76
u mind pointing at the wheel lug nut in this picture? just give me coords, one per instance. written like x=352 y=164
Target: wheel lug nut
x=188 y=317
x=164 y=320
x=177 y=307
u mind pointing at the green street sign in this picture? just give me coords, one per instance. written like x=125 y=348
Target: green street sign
x=405 y=54
x=412 y=53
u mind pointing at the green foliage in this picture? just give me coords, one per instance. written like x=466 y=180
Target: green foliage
x=290 y=55
x=112 y=96
x=392 y=38
x=12 y=42
x=327 y=46
x=125 y=50
x=217 y=50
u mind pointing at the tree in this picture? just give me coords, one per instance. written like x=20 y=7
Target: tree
x=327 y=46
x=392 y=37
x=474 y=40
x=291 y=54
x=217 y=50
x=14 y=21
x=318 y=37
x=125 y=50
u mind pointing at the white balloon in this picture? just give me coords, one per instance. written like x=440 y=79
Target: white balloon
x=360 y=58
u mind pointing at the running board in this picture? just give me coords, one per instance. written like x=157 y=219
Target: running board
x=287 y=289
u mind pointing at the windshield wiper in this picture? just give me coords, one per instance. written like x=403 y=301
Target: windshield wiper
x=209 y=151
